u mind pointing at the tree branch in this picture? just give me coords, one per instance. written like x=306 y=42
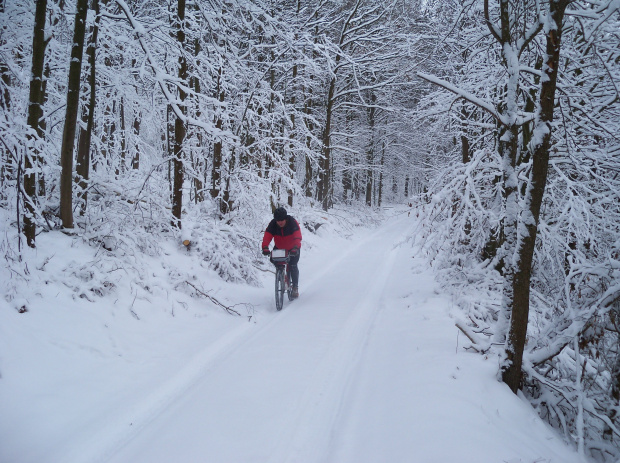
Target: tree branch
x=484 y=105
x=161 y=77
x=214 y=300
x=492 y=28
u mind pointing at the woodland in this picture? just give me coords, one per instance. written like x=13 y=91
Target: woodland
x=128 y=122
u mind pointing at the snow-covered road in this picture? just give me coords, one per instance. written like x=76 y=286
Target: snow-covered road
x=282 y=393
x=364 y=367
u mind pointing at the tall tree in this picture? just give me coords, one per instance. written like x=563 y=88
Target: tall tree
x=179 y=123
x=35 y=113
x=72 y=109
x=88 y=113
x=564 y=257
x=370 y=150
x=524 y=251
x=5 y=95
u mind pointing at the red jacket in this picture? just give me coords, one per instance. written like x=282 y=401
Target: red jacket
x=287 y=237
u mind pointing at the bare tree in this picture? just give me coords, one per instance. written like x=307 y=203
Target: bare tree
x=179 y=123
x=35 y=112
x=524 y=252
x=88 y=115
x=71 y=113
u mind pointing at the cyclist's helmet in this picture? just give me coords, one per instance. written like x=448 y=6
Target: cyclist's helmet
x=279 y=214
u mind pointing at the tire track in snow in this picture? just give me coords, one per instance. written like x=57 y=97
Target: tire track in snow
x=108 y=439
x=119 y=431
x=306 y=437
x=309 y=436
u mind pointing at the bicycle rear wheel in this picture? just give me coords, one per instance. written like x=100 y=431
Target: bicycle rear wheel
x=280 y=288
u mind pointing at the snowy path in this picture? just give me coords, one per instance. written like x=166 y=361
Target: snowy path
x=364 y=367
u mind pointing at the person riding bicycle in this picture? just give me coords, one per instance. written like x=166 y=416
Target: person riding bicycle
x=286 y=234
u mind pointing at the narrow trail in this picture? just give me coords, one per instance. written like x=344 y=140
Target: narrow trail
x=276 y=394
x=364 y=367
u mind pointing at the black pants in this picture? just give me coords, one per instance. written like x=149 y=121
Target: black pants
x=292 y=264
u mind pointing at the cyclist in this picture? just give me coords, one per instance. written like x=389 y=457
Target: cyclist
x=286 y=234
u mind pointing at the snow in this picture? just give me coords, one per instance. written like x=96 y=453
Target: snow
x=366 y=366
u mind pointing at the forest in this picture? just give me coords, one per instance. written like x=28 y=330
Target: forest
x=129 y=122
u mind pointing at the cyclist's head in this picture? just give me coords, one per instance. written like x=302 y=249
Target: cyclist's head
x=279 y=214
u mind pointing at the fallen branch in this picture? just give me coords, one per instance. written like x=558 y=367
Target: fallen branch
x=214 y=300
x=466 y=332
x=479 y=345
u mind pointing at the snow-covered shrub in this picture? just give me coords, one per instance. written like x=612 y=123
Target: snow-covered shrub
x=459 y=216
x=227 y=248
x=575 y=284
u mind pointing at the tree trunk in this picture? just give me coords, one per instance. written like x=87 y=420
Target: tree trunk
x=198 y=162
x=464 y=139
x=216 y=171
x=121 y=167
x=179 y=124
x=370 y=152
x=73 y=102
x=508 y=145
x=308 y=108
x=309 y=174
x=226 y=205
x=511 y=374
x=380 y=195
x=83 y=153
x=35 y=112
x=508 y=150
x=5 y=95
x=292 y=155
x=465 y=148
x=6 y=165
x=323 y=186
x=137 y=119
x=406 y=184
x=108 y=126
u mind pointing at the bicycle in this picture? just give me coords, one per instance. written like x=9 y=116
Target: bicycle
x=281 y=258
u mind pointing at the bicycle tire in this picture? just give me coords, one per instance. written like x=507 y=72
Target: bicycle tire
x=289 y=285
x=280 y=288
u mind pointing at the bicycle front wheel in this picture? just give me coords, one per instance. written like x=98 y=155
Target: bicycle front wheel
x=280 y=288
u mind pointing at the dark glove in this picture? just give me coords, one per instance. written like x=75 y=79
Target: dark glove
x=266 y=251
x=294 y=252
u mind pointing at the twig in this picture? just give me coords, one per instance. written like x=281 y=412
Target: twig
x=465 y=331
x=214 y=300
x=135 y=315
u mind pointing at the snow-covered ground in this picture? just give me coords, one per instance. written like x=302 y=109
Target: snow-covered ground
x=366 y=366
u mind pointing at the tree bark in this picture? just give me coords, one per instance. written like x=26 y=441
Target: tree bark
x=108 y=125
x=292 y=154
x=323 y=186
x=121 y=167
x=465 y=148
x=511 y=374
x=73 y=102
x=83 y=153
x=508 y=146
x=5 y=95
x=380 y=194
x=370 y=152
x=179 y=124
x=137 y=118
x=198 y=162
x=216 y=171
x=308 y=108
x=35 y=113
